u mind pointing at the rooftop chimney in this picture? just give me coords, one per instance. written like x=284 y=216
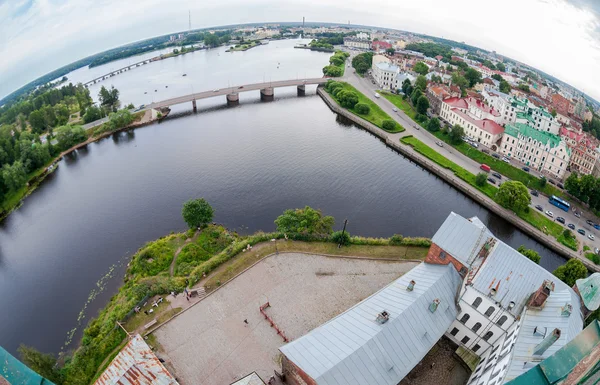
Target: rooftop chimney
x=434 y=305
x=546 y=343
x=411 y=285
x=566 y=310
x=383 y=317
x=538 y=299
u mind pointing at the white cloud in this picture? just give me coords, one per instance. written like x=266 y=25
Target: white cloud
x=556 y=36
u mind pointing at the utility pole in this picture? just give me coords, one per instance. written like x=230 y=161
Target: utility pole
x=343 y=231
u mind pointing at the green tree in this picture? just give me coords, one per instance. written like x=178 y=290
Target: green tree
x=433 y=125
x=572 y=185
x=347 y=99
x=497 y=77
x=176 y=51
x=37 y=121
x=362 y=108
x=421 y=82
x=92 y=113
x=42 y=364
x=422 y=105
x=504 y=86
x=68 y=136
x=421 y=68
x=406 y=87
x=529 y=253
x=473 y=77
x=570 y=272
x=500 y=67
x=211 y=40
x=459 y=80
x=513 y=195
x=553 y=112
x=456 y=134
x=524 y=87
x=362 y=62
x=415 y=95
x=332 y=71
x=388 y=125
x=341 y=238
x=489 y=64
x=481 y=179
x=543 y=181
x=390 y=51
x=307 y=221
x=119 y=119
x=109 y=98
x=62 y=114
x=14 y=176
x=197 y=213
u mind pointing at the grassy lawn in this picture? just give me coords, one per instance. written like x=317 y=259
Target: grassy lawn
x=244 y=260
x=375 y=115
x=463 y=174
x=399 y=102
x=593 y=257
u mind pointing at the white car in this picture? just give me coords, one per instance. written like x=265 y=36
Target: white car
x=217 y=90
x=395 y=109
x=505 y=159
x=591 y=236
x=550 y=213
x=439 y=143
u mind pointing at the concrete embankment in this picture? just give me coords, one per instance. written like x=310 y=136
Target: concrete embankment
x=449 y=177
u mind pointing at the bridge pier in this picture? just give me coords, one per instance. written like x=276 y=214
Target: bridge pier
x=267 y=94
x=194 y=105
x=301 y=90
x=233 y=99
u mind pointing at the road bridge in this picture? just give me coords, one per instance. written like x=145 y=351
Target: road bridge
x=115 y=72
x=232 y=93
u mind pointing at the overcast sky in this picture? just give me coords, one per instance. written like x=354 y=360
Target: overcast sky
x=561 y=37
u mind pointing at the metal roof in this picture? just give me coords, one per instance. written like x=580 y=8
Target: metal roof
x=589 y=290
x=548 y=318
x=136 y=364
x=354 y=349
x=461 y=237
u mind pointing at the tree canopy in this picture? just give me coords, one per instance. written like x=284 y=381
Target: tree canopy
x=456 y=134
x=513 y=195
x=433 y=125
x=197 y=213
x=422 y=105
x=481 y=179
x=421 y=68
x=529 y=253
x=362 y=62
x=421 y=82
x=109 y=98
x=42 y=364
x=307 y=221
x=571 y=271
x=68 y=136
x=473 y=76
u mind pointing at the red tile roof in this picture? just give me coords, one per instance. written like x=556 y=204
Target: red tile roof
x=439 y=57
x=482 y=106
x=487 y=125
x=380 y=45
x=457 y=103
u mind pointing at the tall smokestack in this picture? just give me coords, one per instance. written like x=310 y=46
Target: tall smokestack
x=546 y=343
x=302 y=21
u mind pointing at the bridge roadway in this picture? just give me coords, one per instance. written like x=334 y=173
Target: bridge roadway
x=118 y=71
x=232 y=92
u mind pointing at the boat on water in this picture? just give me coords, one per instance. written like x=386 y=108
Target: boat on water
x=184 y=75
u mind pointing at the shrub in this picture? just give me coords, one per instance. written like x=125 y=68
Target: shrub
x=197 y=212
x=362 y=108
x=153 y=258
x=481 y=179
x=341 y=238
x=396 y=240
x=388 y=125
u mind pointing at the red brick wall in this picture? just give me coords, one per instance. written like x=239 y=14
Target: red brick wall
x=433 y=256
x=294 y=375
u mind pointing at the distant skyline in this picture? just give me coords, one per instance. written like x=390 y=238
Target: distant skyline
x=559 y=37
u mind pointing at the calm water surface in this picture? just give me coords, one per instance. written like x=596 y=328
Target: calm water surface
x=250 y=162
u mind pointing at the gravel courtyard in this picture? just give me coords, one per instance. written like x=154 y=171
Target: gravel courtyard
x=211 y=344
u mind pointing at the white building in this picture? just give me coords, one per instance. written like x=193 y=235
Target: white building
x=541 y=150
x=362 y=36
x=501 y=102
x=357 y=43
x=477 y=119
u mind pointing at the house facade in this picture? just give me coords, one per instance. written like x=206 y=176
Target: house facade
x=585 y=151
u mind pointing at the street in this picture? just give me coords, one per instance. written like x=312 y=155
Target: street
x=365 y=86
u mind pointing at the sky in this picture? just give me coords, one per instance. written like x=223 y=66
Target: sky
x=560 y=37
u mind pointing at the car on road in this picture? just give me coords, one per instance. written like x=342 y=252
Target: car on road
x=561 y=220
x=496 y=156
x=539 y=207
x=505 y=159
x=560 y=185
x=577 y=215
x=549 y=213
x=473 y=144
x=217 y=90
x=591 y=236
x=394 y=109
x=439 y=143
x=492 y=180
x=377 y=95
x=535 y=193
x=497 y=175
x=240 y=87
x=551 y=182
x=589 y=222
x=485 y=168
x=526 y=169
x=581 y=231
x=571 y=226
x=485 y=150
x=597 y=226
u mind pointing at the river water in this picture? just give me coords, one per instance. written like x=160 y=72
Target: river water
x=250 y=162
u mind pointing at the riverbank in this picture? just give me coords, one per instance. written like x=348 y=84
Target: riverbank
x=96 y=133
x=393 y=141
x=204 y=261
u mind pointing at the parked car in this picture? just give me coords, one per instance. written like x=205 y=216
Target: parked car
x=216 y=90
x=485 y=151
x=561 y=220
x=552 y=182
x=578 y=215
x=591 y=236
x=496 y=156
x=596 y=250
x=560 y=185
x=596 y=226
x=439 y=143
x=394 y=109
x=581 y=231
x=505 y=159
x=535 y=193
x=539 y=207
x=473 y=144
x=571 y=226
x=589 y=222
x=497 y=175
x=526 y=169
x=492 y=180
x=549 y=213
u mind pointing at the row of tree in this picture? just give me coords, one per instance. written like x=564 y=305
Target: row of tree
x=362 y=62
x=586 y=188
x=336 y=64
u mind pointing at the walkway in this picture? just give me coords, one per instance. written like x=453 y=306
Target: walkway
x=187 y=242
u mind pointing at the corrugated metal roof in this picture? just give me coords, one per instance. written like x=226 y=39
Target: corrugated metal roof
x=461 y=238
x=250 y=379
x=548 y=318
x=136 y=364
x=354 y=349
x=589 y=288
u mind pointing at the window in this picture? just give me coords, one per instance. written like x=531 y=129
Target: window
x=476 y=348
x=488 y=335
x=454 y=331
x=464 y=318
x=476 y=327
x=502 y=320
x=465 y=340
x=477 y=302
x=490 y=311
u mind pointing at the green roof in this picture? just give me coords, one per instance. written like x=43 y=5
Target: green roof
x=556 y=368
x=523 y=115
x=589 y=290
x=544 y=137
x=517 y=102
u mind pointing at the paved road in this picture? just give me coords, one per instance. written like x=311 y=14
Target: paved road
x=365 y=86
